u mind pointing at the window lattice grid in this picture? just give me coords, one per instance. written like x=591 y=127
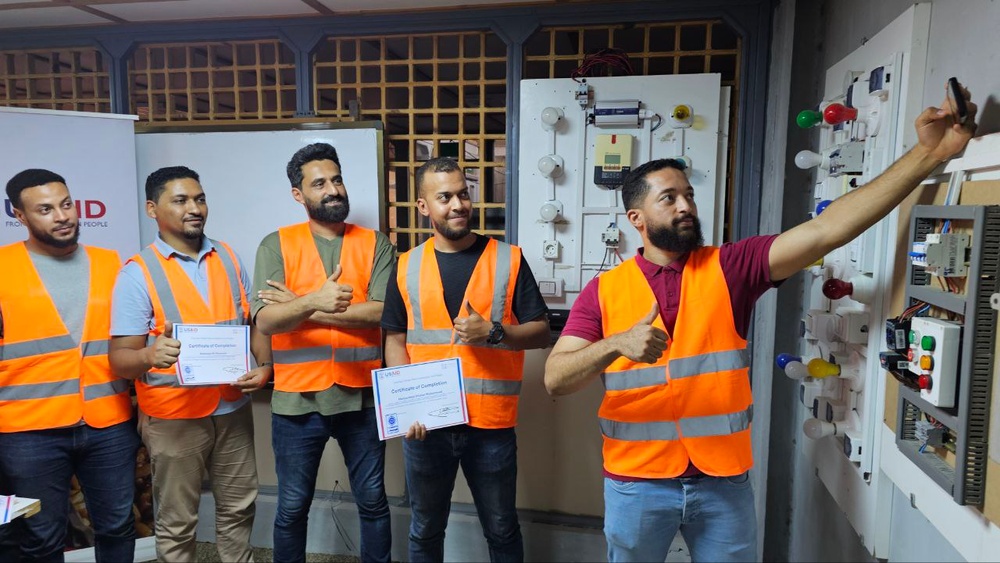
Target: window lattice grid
x=225 y=80
x=65 y=79
x=689 y=47
x=439 y=94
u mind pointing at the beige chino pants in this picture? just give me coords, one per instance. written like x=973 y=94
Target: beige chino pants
x=182 y=452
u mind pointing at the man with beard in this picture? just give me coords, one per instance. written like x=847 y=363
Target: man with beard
x=464 y=295
x=186 y=277
x=62 y=411
x=319 y=287
x=666 y=332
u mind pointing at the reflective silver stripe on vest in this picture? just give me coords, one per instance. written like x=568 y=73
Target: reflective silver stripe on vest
x=170 y=310
x=40 y=390
x=420 y=335
x=634 y=378
x=638 y=431
x=413 y=289
x=437 y=336
x=95 y=348
x=233 y=274
x=716 y=425
x=303 y=355
x=690 y=427
x=491 y=386
x=101 y=390
x=37 y=347
x=233 y=322
x=500 y=282
x=709 y=363
x=160 y=379
x=366 y=354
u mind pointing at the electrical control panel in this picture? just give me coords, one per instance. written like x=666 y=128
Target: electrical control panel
x=950 y=341
x=860 y=125
x=578 y=140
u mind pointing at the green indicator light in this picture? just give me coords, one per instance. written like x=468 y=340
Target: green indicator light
x=927 y=343
x=808 y=118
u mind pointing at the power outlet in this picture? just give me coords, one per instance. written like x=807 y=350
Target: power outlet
x=550 y=249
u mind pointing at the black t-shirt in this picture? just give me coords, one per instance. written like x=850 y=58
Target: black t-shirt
x=457 y=268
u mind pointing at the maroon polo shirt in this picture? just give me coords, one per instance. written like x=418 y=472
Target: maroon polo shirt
x=745 y=266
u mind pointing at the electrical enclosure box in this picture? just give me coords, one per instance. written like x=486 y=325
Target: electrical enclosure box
x=612 y=159
x=935 y=344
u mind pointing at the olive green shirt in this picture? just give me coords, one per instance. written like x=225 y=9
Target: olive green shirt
x=271 y=266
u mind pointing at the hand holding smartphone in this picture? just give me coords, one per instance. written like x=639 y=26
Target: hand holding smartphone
x=955 y=93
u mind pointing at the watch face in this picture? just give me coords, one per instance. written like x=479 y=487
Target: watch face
x=496 y=334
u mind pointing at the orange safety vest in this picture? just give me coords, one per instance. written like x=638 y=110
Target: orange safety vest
x=46 y=380
x=314 y=357
x=694 y=403
x=491 y=372
x=175 y=298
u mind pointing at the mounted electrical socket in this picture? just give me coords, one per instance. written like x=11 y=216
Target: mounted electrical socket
x=550 y=249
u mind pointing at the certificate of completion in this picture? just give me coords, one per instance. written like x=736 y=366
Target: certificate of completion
x=212 y=354
x=431 y=393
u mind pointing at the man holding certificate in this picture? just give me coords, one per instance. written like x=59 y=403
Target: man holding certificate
x=462 y=295
x=184 y=299
x=319 y=287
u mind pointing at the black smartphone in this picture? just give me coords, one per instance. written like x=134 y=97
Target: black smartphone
x=959 y=97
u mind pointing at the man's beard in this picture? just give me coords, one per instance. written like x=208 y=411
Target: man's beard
x=326 y=214
x=675 y=239
x=46 y=238
x=194 y=233
x=453 y=234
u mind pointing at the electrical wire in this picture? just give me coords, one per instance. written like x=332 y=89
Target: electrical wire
x=659 y=122
x=603 y=59
x=607 y=251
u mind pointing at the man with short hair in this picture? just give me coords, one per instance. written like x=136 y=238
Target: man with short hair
x=461 y=294
x=62 y=411
x=666 y=333
x=186 y=277
x=319 y=287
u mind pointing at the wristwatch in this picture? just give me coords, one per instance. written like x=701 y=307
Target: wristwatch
x=496 y=334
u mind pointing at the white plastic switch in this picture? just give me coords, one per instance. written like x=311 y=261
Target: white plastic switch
x=550 y=287
x=852 y=445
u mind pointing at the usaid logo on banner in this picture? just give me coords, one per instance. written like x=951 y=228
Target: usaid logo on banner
x=392 y=422
x=90 y=211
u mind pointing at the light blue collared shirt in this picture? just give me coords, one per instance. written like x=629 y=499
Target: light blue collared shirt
x=132 y=308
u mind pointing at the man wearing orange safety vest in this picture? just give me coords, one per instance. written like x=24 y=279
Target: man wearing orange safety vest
x=666 y=333
x=186 y=277
x=319 y=287
x=464 y=295
x=62 y=411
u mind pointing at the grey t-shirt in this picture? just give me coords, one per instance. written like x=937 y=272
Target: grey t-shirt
x=67 y=279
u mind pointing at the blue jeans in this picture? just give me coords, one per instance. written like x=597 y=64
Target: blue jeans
x=298 y=447
x=40 y=463
x=715 y=515
x=489 y=462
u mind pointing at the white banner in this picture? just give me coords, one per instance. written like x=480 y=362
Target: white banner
x=94 y=152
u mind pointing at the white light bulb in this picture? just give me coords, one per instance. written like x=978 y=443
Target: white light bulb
x=816 y=429
x=796 y=370
x=550 y=165
x=550 y=117
x=808 y=159
x=550 y=210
